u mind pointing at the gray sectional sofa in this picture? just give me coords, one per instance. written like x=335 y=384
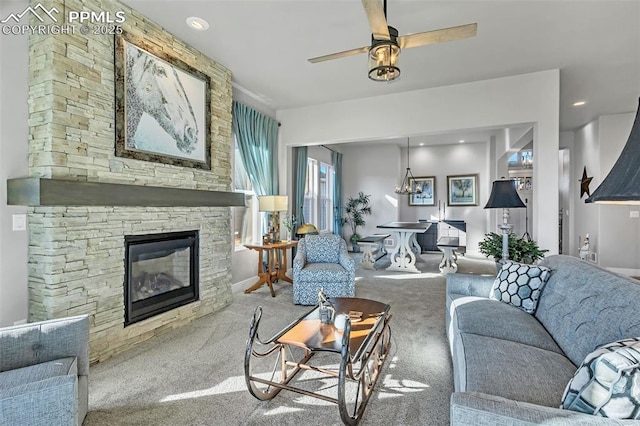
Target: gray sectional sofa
x=511 y=367
x=44 y=369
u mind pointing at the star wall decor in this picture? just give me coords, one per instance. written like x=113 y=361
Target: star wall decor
x=584 y=183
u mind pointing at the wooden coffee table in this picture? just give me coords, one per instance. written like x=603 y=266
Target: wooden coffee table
x=362 y=347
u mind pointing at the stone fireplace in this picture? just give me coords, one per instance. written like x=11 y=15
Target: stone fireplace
x=88 y=203
x=161 y=273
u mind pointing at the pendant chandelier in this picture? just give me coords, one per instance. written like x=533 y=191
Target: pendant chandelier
x=409 y=185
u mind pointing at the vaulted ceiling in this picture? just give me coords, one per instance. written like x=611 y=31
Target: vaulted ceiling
x=266 y=44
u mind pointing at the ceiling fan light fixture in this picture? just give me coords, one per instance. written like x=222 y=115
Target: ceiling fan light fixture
x=384 y=58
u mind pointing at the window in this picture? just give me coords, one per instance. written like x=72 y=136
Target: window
x=521 y=159
x=245 y=219
x=318 y=195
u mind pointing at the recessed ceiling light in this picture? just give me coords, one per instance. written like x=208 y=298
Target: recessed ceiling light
x=461 y=141
x=579 y=103
x=421 y=143
x=197 y=23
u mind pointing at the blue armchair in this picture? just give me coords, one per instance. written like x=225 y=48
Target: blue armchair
x=322 y=261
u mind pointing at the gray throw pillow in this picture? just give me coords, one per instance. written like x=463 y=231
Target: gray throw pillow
x=520 y=285
x=607 y=383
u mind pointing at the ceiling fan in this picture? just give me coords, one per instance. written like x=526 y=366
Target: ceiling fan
x=386 y=45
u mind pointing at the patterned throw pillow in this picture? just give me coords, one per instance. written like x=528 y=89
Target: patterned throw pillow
x=520 y=285
x=607 y=383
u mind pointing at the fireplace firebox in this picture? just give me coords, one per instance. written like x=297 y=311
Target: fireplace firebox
x=161 y=273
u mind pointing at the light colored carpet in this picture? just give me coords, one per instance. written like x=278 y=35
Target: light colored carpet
x=194 y=375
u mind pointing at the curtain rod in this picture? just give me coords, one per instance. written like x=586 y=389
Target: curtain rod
x=324 y=146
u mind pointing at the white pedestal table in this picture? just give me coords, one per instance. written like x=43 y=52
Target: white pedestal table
x=403 y=255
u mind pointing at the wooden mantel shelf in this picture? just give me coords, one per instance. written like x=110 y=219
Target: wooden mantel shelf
x=59 y=192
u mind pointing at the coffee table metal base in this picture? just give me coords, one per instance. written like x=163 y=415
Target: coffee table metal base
x=364 y=370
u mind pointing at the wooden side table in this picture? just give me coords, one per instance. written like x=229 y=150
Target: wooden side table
x=275 y=270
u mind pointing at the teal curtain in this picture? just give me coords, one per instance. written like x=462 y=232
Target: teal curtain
x=336 y=160
x=257 y=138
x=300 y=179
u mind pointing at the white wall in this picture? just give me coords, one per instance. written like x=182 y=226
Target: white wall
x=372 y=169
x=619 y=234
x=450 y=160
x=613 y=235
x=585 y=216
x=319 y=153
x=13 y=163
x=567 y=189
x=529 y=98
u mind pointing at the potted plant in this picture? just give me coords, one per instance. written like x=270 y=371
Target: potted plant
x=356 y=209
x=522 y=250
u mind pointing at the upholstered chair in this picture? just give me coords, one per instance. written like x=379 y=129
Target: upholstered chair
x=44 y=372
x=322 y=261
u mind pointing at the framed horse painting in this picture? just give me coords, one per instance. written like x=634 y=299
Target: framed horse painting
x=163 y=106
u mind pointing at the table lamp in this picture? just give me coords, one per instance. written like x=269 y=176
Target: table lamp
x=274 y=204
x=504 y=196
x=622 y=184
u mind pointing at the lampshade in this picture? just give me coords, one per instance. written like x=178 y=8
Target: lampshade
x=384 y=58
x=307 y=229
x=273 y=203
x=622 y=184
x=504 y=195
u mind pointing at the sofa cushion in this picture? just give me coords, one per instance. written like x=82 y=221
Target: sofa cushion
x=520 y=285
x=584 y=307
x=479 y=315
x=608 y=382
x=37 y=372
x=323 y=272
x=511 y=370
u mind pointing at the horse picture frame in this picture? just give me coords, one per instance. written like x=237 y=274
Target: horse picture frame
x=163 y=106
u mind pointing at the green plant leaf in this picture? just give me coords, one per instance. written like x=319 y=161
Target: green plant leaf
x=520 y=249
x=356 y=208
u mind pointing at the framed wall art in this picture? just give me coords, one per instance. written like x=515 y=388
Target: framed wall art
x=163 y=106
x=462 y=190
x=428 y=195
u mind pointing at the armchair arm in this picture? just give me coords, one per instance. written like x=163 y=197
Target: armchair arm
x=49 y=401
x=479 y=409
x=43 y=341
x=301 y=258
x=469 y=285
x=346 y=261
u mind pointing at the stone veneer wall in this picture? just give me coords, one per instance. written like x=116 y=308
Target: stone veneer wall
x=76 y=254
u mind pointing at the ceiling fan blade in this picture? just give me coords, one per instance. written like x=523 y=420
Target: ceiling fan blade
x=364 y=49
x=377 y=20
x=438 y=36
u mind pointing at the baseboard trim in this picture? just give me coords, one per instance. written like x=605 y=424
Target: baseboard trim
x=243 y=285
